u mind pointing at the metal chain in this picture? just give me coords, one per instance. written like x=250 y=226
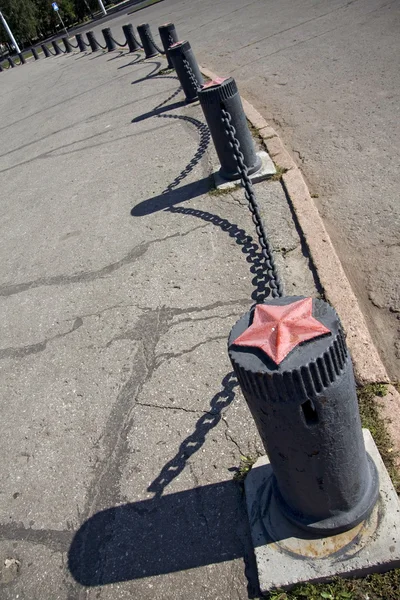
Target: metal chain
x=136 y=40
x=192 y=76
x=118 y=44
x=73 y=45
x=151 y=40
x=274 y=281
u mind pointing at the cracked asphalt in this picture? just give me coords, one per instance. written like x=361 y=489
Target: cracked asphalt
x=121 y=276
x=325 y=75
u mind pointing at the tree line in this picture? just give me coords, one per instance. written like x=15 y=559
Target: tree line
x=32 y=20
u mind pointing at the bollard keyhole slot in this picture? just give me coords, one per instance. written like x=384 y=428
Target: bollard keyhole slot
x=310 y=413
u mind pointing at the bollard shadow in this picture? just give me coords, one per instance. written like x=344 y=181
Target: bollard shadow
x=184 y=530
x=158 y=111
x=175 y=532
x=165 y=201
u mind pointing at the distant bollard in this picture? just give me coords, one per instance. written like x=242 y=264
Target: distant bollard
x=214 y=96
x=92 y=41
x=21 y=58
x=187 y=69
x=35 y=53
x=146 y=38
x=1 y=68
x=67 y=45
x=168 y=37
x=46 y=51
x=111 y=45
x=56 y=47
x=292 y=363
x=130 y=38
x=11 y=62
x=80 y=42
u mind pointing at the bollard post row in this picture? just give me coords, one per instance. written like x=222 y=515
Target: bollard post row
x=169 y=36
x=187 y=69
x=147 y=42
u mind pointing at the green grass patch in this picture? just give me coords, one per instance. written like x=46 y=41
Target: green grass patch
x=371 y=419
x=253 y=130
x=244 y=468
x=278 y=175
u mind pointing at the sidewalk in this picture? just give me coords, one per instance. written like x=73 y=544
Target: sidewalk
x=121 y=276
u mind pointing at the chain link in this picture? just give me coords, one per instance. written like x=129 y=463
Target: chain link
x=136 y=40
x=193 y=79
x=274 y=281
x=151 y=40
x=118 y=44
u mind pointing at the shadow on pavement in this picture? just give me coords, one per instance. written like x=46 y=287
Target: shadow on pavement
x=165 y=201
x=121 y=54
x=152 y=73
x=249 y=248
x=158 y=111
x=171 y=533
x=184 y=530
x=170 y=196
x=137 y=60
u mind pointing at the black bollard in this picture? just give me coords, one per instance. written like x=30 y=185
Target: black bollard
x=35 y=53
x=168 y=37
x=111 y=45
x=80 y=42
x=22 y=58
x=292 y=363
x=214 y=96
x=147 y=41
x=67 y=45
x=46 y=51
x=187 y=69
x=56 y=47
x=94 y=44
x=11 y=62
x=1 y=68
x=133 y=44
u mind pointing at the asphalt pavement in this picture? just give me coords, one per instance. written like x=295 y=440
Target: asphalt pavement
x=122 y=274
x=325 y=74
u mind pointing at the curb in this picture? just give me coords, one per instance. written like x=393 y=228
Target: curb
x=368 y=366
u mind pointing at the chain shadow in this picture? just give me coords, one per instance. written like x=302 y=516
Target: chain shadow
x=153 y=73
x=120 y=54
x=254 y=257
x=137 y=60
x=169 y=195
x=157 y=111
x=175 y=532
x=192 y=444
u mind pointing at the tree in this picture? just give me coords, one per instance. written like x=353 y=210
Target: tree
x=21 y=17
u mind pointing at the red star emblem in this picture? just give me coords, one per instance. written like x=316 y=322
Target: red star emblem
x=276 y=330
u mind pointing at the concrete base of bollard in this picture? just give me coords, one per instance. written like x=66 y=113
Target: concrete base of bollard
x=267 y=170
x=287 y=555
